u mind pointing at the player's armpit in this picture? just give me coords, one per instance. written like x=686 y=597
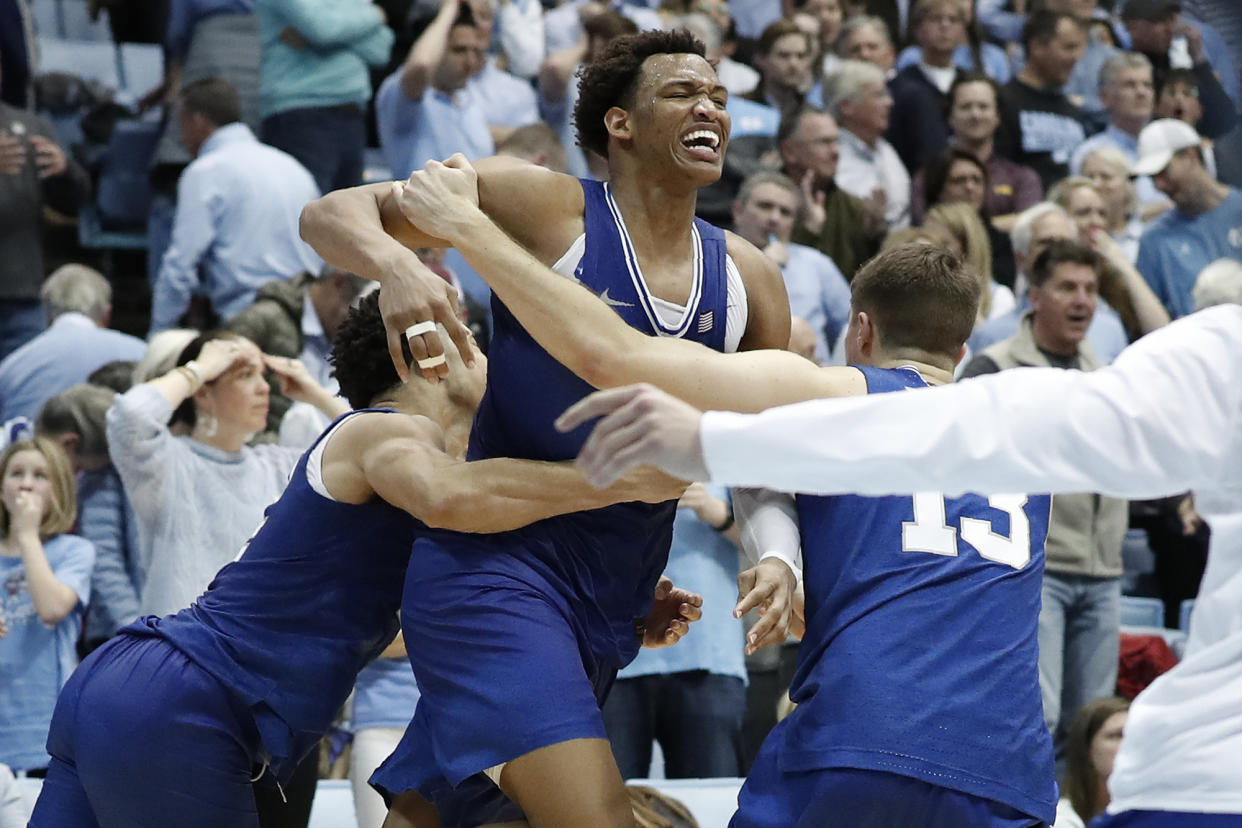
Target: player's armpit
x=767 y=302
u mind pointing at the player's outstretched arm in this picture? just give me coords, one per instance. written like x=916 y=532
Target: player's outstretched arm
x=402 y=459
x=585 y=335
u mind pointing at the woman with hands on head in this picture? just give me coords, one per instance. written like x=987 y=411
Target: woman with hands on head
x=46 y=577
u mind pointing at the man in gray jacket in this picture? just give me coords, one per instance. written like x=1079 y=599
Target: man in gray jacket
x=1081 y=608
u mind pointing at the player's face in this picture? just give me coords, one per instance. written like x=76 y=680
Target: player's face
x=769 y=211
x=1086 y=208
x=1130 y=95
x=1063 y=306
x=26 y=473
x=964 y=184
x=1104 y=745
x=973 y=116
x=679 y=113
x=240 y=395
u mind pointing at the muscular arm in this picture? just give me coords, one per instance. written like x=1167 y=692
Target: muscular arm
x=592 y=341
x=402 y=459
x=1164 y=418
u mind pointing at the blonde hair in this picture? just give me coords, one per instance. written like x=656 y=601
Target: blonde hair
x=1063 y=190
x=62 y=510
x=967 y=228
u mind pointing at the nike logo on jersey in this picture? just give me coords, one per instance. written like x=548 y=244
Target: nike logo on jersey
x=614 y=303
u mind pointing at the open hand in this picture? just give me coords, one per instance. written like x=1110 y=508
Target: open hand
x=770 y=586
x=671 y=615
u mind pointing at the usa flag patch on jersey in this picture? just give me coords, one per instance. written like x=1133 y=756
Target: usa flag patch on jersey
x=705 y=321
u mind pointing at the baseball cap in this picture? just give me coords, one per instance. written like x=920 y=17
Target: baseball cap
x=1159 y=140
x=1149 y=9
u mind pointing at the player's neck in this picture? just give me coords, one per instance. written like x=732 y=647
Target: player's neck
x=655 y=213
x=933 y=371
x=452 y=410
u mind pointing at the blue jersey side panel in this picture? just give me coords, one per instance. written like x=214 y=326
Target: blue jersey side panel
x=608 y=558
x=920 y=651
x=288 y=625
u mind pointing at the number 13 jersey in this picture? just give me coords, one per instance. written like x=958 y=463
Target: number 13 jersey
x=920 y=654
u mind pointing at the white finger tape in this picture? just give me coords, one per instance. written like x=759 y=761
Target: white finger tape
x=431 y=362
x=420 y=328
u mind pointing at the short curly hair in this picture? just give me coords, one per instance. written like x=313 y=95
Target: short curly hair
x=360 y=359
x=610 y=79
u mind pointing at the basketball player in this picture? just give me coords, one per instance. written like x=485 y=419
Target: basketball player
x=511 y=682
x=1165 y=417
x=917 y=690
x=170 y=721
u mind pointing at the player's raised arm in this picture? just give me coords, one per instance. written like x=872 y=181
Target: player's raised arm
x=402 y=459
x=589 y=338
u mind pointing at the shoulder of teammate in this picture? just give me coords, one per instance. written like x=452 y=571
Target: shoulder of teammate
x=371 y=440
x=540 y=208
x=767 y=324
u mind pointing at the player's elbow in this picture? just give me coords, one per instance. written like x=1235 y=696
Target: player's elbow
x=451 y=510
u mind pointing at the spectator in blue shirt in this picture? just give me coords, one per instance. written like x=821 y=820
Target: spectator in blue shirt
x=238 y=204
x=423 y=110
x=1204 y=225
x=77 y=302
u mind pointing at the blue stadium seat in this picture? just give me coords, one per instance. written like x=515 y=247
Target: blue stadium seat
x=1141 y=612
x=1183 y=616
x=118 y=218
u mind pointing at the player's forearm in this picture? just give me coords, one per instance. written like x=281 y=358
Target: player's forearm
x=349 y=230
x=498 y=495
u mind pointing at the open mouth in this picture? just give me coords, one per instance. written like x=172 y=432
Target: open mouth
x=702 y=143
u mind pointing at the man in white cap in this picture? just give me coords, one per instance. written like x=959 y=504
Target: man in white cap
x=1205 y=224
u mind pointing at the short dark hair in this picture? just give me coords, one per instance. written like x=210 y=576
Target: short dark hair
x=963 y=78
x=1186 y=77
x=1059 y=252
x=610 y=79
x=117 y=375
x=775 y=31
x=920 y=295
x=360 y=359
x=936 y=172
x=1041 y=26
x=792 y=119
x=213 y=98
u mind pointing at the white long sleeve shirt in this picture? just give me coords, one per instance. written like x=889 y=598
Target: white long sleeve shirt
x=1164 y=418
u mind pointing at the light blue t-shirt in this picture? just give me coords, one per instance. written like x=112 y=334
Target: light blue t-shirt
x=703 y=561
x=818 y=293
x=433 y=127
x=506 y=100
x=1176 y=247
x=35 y=659
x=385 y=695
x=752 y=118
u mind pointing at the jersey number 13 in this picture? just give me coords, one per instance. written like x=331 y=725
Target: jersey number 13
x=931 y=532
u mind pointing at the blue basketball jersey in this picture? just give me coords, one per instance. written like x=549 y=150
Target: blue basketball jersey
x=608 y=558
x=312 y=599
x=920 y=653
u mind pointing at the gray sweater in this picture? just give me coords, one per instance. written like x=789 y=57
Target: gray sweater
x=196 y=505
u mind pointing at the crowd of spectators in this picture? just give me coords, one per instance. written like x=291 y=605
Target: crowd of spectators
x=1082 y=155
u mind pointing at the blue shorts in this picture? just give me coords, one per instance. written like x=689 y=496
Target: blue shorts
x=1166 y=819
x=856 y=798
x=503 y=670
x=141 y=735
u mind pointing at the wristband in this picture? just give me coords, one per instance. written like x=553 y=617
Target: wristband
x=728 y=521
x=788 y=561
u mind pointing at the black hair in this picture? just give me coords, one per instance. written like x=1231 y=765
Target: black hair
x=1041 y=26
x=360 y=359
x=936 y=172
x=1059 y=252
x=610 y=79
